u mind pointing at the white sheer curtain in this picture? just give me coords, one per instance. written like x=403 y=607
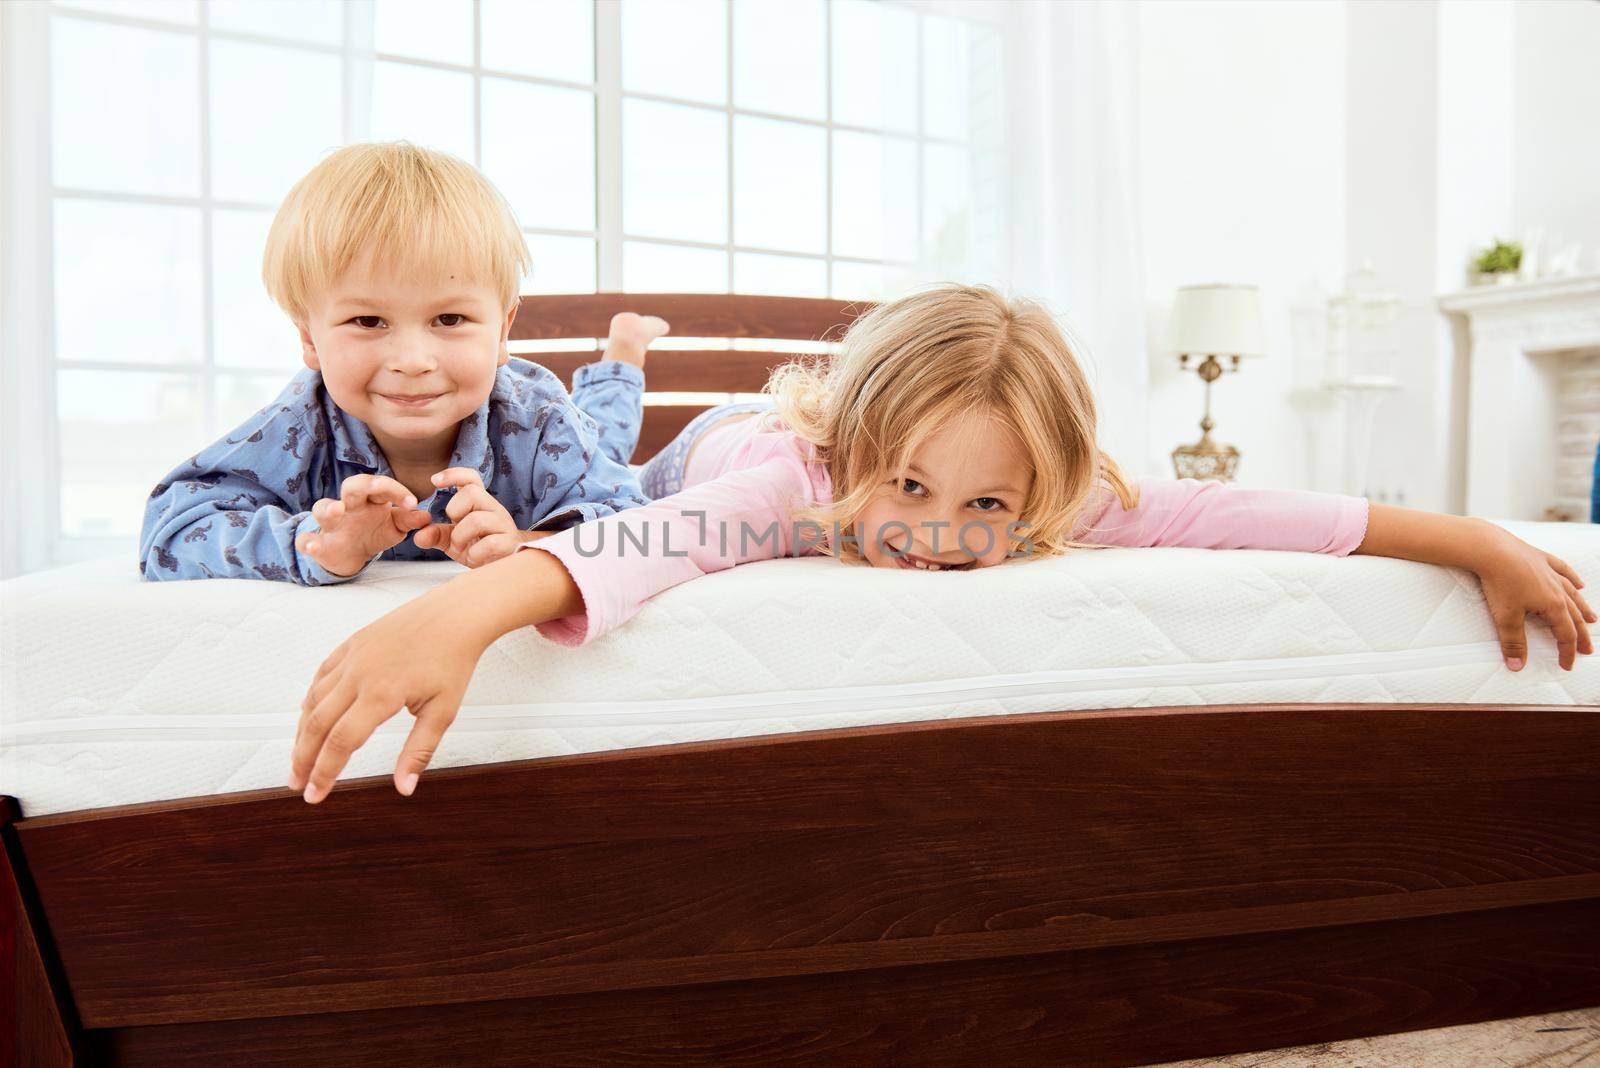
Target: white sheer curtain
x=27 y=392
x=1073 y=98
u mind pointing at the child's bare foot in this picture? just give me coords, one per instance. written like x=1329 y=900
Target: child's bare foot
x=631 y=335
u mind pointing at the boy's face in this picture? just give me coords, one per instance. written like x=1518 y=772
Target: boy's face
x=409 y=357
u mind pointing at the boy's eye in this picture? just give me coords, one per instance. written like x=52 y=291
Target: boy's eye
x=989 y=504
x=369 y=322
x=452 y=319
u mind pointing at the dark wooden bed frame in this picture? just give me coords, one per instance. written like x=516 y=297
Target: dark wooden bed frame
x=1100 y=888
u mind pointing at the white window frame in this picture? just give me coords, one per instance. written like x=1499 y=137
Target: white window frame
x=30 y=435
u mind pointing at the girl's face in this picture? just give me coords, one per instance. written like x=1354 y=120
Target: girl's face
x=409 y=358
x=951 y=509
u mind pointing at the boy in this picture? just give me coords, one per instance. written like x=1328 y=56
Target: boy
x=400 y=267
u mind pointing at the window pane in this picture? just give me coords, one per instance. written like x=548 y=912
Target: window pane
x=783 y=276
x=674 y=171
x=548 y=177
x=945 y=62
x=127 y=282
x=545 y=38
x=263 y=142
x=857 y=281
x=241 y=396
x=249 y=330
x=676 y=48
x=318 y=21
x=778 y=61
x=427 y=107
x=126 y=108
x=650 y=268
x=986 y=93
x=874 y=196
x=425 y=29
x=871 y=281
x=988 y=215
x=874 y=65
x=184 y=11
x=120 y=432
x=946 y=210
x=560 y=265
x=780 y=185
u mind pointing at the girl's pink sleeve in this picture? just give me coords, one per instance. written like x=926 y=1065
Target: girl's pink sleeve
x=1203 y=514
x=621 y=561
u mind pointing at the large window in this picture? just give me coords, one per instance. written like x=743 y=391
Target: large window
x=810 y=147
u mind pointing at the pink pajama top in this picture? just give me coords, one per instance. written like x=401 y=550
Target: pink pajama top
x=746 y=476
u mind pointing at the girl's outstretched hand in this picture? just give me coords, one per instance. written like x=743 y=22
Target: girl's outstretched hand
x=1520 y=580
x=417 y=657
x=421 y=657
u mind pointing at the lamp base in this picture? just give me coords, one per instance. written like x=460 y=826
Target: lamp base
x=1206 y=459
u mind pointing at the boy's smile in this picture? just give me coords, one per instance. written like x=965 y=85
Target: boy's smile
x=410 y=402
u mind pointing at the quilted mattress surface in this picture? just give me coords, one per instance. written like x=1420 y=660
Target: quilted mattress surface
x=117 y=691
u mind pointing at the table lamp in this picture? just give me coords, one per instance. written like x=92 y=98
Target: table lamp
x=1208 y=322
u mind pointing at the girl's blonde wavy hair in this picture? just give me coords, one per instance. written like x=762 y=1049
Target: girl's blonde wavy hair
x=911 y=366
x=406 y=206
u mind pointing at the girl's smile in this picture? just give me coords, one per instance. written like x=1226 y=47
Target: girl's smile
x=920 y=564
x=951 y=510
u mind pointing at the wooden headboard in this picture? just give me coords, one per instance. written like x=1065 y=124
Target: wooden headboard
x=587 y=316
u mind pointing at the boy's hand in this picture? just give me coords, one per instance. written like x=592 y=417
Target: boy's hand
x=420 y=656
x=373 y=513
x=1520 y=580
x=480 y=530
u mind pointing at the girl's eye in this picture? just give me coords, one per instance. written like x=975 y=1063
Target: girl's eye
x=990 y=504
x=451 y=319
x=369 y=322
x=911 y=486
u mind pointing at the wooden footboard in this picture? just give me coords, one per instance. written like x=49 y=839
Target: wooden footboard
x=1110 y=887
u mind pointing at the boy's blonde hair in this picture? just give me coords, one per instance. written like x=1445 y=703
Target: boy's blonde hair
x=415 y=209
x=911 y=366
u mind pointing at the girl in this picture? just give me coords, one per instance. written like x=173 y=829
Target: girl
x=954 y=430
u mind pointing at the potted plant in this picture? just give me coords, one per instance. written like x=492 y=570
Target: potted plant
x=1499 y=263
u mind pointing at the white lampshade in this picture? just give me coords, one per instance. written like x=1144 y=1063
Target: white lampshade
x=1217 y=320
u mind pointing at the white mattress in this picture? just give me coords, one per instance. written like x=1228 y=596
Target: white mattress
x=116 y=691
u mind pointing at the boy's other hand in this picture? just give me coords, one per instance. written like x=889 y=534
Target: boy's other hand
x=480 y=530
x=373 y=513
x=631 y=335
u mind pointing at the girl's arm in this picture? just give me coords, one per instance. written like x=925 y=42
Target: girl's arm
x=1203 y=514
x=621 y=561
x=575 y=585
x=420 y=656
x=1519 y=580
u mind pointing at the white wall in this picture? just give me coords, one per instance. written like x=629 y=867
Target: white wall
x=1287 y=143
x=1557 y=138
x=1242 y=108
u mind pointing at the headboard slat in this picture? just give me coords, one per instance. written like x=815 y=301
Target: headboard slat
x=720 y=315
x=685 y=370
x=692 y=315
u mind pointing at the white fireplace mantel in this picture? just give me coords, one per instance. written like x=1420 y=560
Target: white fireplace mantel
x=1522 y=336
